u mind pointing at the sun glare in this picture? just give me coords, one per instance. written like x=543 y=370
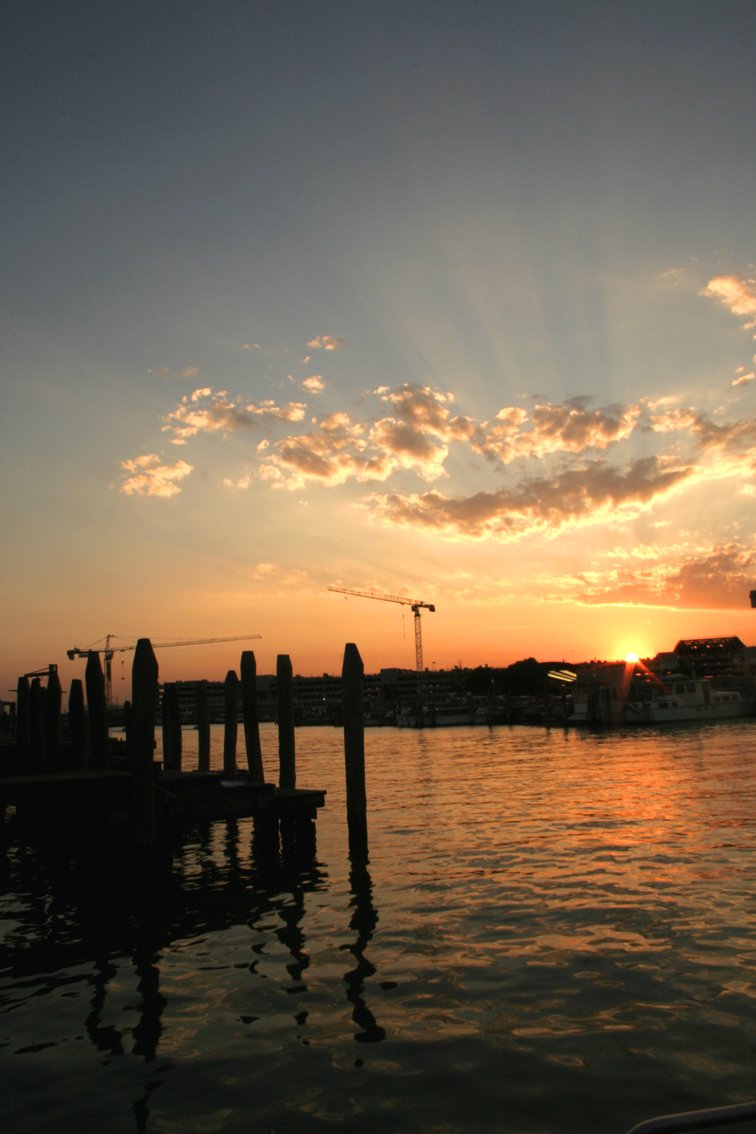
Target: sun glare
x=631 y=658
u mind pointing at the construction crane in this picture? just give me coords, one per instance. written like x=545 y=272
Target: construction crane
x=109 y=650
x=415 y=606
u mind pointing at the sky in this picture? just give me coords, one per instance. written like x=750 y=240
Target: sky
x=450 y=301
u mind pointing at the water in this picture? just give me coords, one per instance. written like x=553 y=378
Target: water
x=554 y=933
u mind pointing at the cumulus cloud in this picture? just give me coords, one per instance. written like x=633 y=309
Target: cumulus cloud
x=339 y=449
x=418 y=406
x=738 y=295
x=568 y=463
x=314 y=384
x=326 y=342
x=148 y=476
x=566 y=427
x=409 y=448
x=331 y=454
x=590 y=494
x=213 y=411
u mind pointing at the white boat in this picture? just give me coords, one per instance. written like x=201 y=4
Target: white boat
x=679 y=698
x=702 y=679
x=684 y=699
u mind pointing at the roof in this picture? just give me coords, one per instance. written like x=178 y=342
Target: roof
x=709 y=647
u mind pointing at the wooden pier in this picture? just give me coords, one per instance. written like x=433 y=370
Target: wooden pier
x=89 y=795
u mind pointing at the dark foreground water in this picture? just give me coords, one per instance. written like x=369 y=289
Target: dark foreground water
x=555 y=932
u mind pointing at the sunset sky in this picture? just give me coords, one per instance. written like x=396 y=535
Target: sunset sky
x=446 y=300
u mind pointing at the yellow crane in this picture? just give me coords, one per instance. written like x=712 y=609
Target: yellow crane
x=415 y=606
x=109 y=650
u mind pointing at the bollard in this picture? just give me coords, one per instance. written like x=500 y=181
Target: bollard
x=203 y=728
x=77 y=724
x=53 y=699
x=37 y=725
x=287 y=774
x=249 y=716
x=22 y=716
x=171 y=728
x=354 y=751
x=144 y=698
x=231 y=698
x=98 y=712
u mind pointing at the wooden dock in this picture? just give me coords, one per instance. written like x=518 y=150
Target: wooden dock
x=96 y=808
x=113 y=799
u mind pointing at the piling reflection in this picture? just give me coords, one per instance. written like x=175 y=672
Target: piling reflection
x=363 y=921
x=105 y=1037
x=207 y=881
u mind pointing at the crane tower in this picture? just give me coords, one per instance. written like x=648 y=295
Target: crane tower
x=415 y=606
x=109 y=650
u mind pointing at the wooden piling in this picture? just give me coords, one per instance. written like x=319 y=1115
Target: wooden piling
x=203 y=728
x=249 y=716
x=98 y=712
x=53 y=698
x=37 y=725
x=171 y=721
x=77 y=724
x=144 y=696
x=354 y=750
x=22 y=716
x=287 y=775
x=231 y=701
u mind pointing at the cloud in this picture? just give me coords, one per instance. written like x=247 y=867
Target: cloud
x=593 y=493
x=275 y=577
x=738 y=295
x=419 y=406
x=241 y=483
x=743 y=379
x=409 y=448
x=148 y=477
x=329 y=455
x=213 y=411
x=326 y=342
x=714 y=578
x=566 y=427
x=340 y=449
x=166 y=372
x=314 y=384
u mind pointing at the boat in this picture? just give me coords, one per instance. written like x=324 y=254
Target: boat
x=686 y=700
x=701 y=680
x=441 y=715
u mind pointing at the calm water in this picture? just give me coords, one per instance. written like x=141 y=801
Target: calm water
x=554 y=933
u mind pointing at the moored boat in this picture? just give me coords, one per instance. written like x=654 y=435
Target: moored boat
x=701 y=680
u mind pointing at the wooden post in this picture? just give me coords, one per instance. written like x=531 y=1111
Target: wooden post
x=98 y=712
x=354 y=750
x=287 y=774
x=53 y=698
x=128 y=730
x=203 y=728
x=249 y=715
x=231 y=699
x=171 y=728
x=22 y=716
x=144 y=696
x=77 y=724
x=37 y=725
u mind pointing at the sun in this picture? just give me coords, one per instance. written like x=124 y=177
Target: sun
x=631 y=658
